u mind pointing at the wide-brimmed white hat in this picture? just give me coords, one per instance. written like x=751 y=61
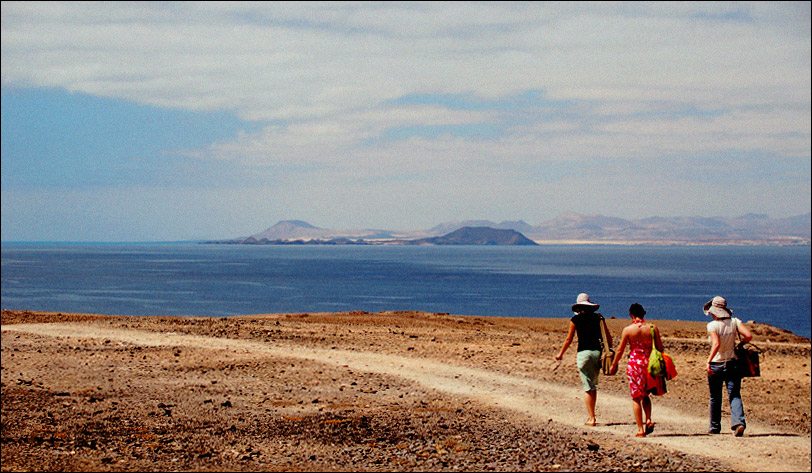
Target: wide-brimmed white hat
x=718 y=307
x=583 y=301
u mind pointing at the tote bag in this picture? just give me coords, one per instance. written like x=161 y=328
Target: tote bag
x=747 y=354
x=608 y=354
x=656 y=363
x=670 y=369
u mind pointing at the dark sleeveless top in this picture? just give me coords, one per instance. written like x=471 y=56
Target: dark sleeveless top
x=588 y=328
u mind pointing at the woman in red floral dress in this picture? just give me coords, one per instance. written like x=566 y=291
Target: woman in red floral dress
x=638 y=336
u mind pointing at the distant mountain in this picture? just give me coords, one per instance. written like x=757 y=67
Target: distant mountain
x=448 y=227
x=518 y=225
x=298 y=230
x=750 y=228
x=291 y=230
x=477 y=236
x=572 y=226
x=567 y=227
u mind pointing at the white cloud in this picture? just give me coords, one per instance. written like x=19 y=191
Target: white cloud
x=621 y=81
x=287 y=60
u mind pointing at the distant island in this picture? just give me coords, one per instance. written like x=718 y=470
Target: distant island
x=477 y=236
x=568 y=228
x=463 y=236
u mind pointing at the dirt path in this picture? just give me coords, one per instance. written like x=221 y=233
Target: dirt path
x=761 y=449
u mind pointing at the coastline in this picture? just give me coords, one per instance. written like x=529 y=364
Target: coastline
x=564 y=242
x=366 y=391
x=777 y=242
x=375 y=241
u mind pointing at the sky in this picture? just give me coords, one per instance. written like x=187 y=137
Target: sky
x=179 y=121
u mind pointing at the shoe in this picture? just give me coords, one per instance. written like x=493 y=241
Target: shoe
x=714 y=432
x=640 y=435
x=649 y=428
x=739 y=430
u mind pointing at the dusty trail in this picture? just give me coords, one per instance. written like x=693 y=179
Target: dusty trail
x=761 y=449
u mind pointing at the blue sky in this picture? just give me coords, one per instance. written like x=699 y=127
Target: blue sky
x=173 y=121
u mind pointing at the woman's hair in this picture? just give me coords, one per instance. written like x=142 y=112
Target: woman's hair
x=637 y=310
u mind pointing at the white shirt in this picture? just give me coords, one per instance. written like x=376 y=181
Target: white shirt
x=727 y=329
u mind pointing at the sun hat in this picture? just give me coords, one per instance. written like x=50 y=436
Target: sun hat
x=718 y=307
x=583 y=302
x=637 y=310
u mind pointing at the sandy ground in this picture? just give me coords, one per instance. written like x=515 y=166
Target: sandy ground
x=390 y=391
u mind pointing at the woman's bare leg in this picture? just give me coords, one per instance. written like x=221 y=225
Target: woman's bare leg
x=637 y=407
x=591 y=398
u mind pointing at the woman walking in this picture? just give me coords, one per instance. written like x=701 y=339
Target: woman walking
x=640 y=336
x=721 y=365
x=586 y=323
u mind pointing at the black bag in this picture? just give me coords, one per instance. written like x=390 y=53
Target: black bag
x=747 y=358
x=747 y=363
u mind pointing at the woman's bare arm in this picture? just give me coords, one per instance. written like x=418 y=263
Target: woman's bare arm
x=567 y=342
x=658 y=342
x=745 y=332
x=624 y=340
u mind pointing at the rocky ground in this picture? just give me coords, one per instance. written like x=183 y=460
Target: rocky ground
x=117 y=400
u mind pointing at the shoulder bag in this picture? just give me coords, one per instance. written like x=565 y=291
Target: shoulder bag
x=656 y=362
x=607 y=353
x=747 y=354
x=670 y=369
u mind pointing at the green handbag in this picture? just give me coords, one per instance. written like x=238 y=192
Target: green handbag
x=656 y=363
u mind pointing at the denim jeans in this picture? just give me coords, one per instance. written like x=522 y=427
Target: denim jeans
x=725 y=374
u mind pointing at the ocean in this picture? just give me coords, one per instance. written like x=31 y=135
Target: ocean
x=765 y=284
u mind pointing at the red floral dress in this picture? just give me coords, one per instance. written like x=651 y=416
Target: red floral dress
x=637 y=369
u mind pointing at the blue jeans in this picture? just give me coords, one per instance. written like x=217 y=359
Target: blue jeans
x=725 y=373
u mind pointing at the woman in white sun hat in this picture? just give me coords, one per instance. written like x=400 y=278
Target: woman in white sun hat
x=721 y=366
x=587 y=324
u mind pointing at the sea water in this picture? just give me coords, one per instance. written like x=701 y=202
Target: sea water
x=766 y=284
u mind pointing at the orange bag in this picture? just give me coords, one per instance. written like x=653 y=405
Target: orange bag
x=655 y=385
x=670 y=369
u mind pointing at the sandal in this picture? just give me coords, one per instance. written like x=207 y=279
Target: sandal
x=641 y=435
x=649 y=428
